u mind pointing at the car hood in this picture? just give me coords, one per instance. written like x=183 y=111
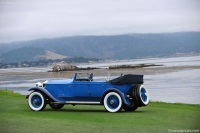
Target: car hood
x=65 y=81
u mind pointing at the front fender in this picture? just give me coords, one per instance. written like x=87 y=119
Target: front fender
x=47 y=93
x=123 y=96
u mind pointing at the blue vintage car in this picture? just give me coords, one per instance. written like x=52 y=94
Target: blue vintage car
x=127 y=92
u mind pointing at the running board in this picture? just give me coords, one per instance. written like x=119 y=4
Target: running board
x=79 y=102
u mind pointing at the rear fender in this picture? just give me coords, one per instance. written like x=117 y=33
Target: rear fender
x=46 y=93
x=123 y=96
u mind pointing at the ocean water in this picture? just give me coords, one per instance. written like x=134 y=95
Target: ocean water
x=173 y=61
x=181 y=86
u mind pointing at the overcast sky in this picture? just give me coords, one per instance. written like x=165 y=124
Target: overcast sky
x=32 y=19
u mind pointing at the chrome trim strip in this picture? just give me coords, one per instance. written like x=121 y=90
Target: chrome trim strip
x=81 y=102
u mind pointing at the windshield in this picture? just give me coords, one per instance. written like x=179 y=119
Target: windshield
x=84 y=77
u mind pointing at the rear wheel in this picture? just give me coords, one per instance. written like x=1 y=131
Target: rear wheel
x=130 y=108
x=56 y=106
x=113 y=102
x=36 y=101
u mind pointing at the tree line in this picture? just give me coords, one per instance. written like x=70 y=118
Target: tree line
x=47 y=62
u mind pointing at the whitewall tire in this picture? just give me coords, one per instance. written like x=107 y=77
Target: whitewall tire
x=113 y=102
x=143 y=94
x=36 y=101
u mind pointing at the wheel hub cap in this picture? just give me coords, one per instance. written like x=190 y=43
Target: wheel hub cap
x=111 y=101
x=36 y=101
x=143 y=94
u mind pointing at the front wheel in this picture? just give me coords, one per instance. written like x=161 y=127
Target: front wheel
x=113 y=102
x=56 y=106
x=36 y=101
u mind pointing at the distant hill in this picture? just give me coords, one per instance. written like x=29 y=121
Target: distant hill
x=128 y=46
x=52 y=56
x=29 y=54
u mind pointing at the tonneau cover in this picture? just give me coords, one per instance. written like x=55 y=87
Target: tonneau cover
x=127 y=79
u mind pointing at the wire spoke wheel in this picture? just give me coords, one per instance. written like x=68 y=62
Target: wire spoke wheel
x=113 y=102
x=36 y=101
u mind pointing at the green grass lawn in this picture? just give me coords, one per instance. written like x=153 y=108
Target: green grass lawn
x=16 y=117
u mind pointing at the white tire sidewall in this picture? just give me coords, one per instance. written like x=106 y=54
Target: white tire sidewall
x=30 y=104
x=105 y=102
x=147 y=94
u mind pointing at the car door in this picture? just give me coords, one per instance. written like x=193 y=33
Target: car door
x=80 y=90
x=97 y=89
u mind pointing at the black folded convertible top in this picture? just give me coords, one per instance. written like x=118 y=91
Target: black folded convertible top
x=127 y=79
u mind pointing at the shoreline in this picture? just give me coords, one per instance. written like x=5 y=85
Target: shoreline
x=142 y=70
